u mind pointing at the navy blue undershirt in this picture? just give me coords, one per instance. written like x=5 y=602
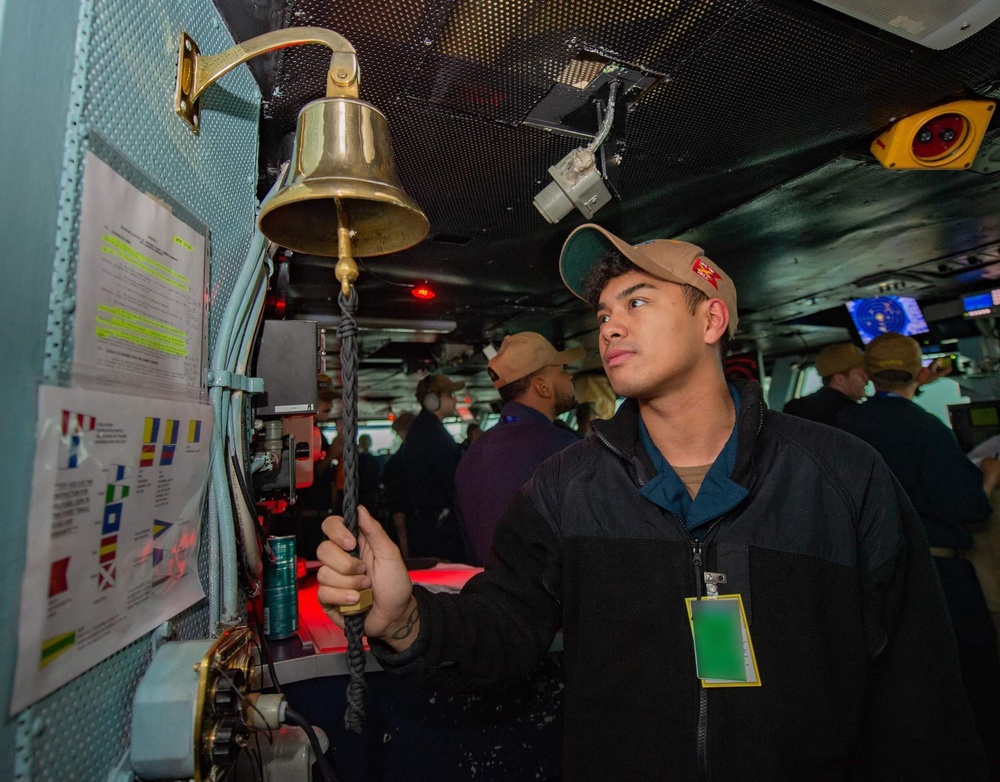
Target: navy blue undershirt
x=718 y=492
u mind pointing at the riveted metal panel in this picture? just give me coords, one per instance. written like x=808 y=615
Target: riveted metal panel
x=122 y=93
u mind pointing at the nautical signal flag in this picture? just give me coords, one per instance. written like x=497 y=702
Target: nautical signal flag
x=159 y=527
x=109 y=547
x=54 y=646
x=58 y=582
x=73 y=426
x=106 y=576
x=114 y=493
x=194 y=431
x=150 y=433
x=74 y=423
x=169 y=442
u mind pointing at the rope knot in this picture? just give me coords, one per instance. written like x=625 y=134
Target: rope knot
x=348 y=306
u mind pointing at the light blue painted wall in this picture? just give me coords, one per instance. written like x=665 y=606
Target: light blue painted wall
x=124 y=65
x=36 y=63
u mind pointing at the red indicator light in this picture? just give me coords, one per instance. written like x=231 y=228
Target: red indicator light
x=939 y=137
x=423 y=292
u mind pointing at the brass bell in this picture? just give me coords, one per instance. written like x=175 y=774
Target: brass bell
x=342 y=155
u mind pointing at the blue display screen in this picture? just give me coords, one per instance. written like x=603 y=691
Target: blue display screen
x=883 y=314
x=979 y=304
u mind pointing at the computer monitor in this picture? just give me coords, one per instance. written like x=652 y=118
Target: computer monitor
x=979 y=305
x=975 y=422
x=883 y=314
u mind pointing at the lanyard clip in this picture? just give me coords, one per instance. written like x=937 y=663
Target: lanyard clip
x=712 y=581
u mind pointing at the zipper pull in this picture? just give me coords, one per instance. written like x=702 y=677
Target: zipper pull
x=697 y=561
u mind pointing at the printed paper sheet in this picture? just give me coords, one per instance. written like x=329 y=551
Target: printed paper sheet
x=113 y=529
x=140 y=298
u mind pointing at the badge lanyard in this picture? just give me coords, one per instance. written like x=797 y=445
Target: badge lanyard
x=723 y=651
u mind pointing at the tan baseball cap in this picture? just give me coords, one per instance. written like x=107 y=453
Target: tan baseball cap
x=524 y=353
x=669 y=259
x=436 y=384
x=893 y=352
x=403 y=422
x=839 y=358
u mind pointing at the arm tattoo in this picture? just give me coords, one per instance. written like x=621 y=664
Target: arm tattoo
x=406 y=629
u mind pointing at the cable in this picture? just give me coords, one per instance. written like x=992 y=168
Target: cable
x=383 y=279
x=259 y=767
x=609 y=118
x=247 y=525
x=224 y=558
x=243 y=699
x=265 y=650
x=292 y=717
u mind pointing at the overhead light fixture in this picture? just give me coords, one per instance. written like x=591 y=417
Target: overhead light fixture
x=944 y=137
x=576 y=180
x=936 y=25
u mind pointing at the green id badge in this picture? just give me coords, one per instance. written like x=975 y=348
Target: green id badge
x=722 y=649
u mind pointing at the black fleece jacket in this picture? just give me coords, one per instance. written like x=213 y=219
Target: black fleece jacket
x=857 y=659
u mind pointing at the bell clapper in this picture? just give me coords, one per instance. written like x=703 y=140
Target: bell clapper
x=346 y=269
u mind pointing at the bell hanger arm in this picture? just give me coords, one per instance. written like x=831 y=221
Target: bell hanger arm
x=195 y=72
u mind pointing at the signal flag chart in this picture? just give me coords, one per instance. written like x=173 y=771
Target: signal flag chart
x=112 y=530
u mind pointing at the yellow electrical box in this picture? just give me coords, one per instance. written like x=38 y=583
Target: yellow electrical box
x=946 y=136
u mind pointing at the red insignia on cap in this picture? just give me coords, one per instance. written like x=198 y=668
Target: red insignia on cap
x=706 y=271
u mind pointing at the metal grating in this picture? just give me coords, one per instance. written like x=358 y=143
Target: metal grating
x=122 y=88
x=465 y=74
x=758 y=94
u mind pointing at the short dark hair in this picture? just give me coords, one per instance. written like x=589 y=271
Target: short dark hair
x=515 y=388
x=613 y=264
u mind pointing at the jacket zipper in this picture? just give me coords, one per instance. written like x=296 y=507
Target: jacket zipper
x=697 y=562
x=702 y=735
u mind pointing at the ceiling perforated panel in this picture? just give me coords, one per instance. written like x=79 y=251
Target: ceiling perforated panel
x=754 y=95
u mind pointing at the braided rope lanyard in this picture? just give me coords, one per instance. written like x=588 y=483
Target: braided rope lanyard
x=354 y=616
x=354 y=624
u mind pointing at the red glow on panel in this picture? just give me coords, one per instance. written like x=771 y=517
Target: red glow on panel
x=423 y=292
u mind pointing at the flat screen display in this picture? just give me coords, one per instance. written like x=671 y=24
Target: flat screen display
x=883 y=314
x=975 y=423
x=980 y=304
x=984 y=416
